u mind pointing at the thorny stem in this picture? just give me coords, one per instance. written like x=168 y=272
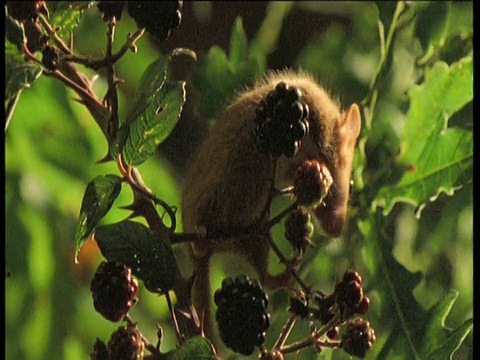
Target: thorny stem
x=285 y=332
x=54 y=35
x=132 y=177
x=313 y=338
x=180 y=337
x=112 y=95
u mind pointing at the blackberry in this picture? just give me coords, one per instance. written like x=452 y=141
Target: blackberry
x=126 y=344
x=100 y=351
x=157 y=17
x=241 y=316
x=358 y=337
x=282 y=120
x=299 y=229
x=113 y=289
x=349 y=295
x=26 y=10
x=111 y=9
x=312 y=182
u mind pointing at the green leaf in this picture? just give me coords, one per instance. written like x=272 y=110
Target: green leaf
x=133 y=244
x=98 y=199
x=238 y=44
x=146 y=99
x=66 y=15
x=19 y=74
x=198 y=347
x=415 y=333
x=155 y=123
x=265 y=41
x=14 y=31
x=431 y=26
x=439 y=157
x=152 y=80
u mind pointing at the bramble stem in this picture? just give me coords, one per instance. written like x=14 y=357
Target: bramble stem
x=287 y=329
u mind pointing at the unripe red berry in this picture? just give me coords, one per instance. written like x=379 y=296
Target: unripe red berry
x=312 y=182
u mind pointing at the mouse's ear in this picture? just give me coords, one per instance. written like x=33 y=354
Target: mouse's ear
x=351 y=123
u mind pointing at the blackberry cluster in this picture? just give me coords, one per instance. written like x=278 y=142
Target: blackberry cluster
x=126 y=344
x=312 y=182
x=113 y=289
x=358 y=337
x=282 y=120
x=299 y=229
x=349 y=295
x=157 y=17
x=111 y=9
x=241 y=316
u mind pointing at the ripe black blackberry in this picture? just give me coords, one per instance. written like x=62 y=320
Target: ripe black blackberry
x=358 y=337
x=282 y=120
x=299 y=229
x=312 y=182
x=157 y=17
x=126 y=344
x=26 y=10
x=113 y=290
x=241 y=316
x=111 y=9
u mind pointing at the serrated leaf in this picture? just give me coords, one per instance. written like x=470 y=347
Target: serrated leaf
x=154 y=124
x=98 y=199
x=197 y=347
x=416 y=333
x=133 y=244
x=19 y=73
x=14 y=31
x=438 y=156
x=66 y=15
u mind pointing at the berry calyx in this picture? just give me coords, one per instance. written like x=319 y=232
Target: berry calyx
x=241 y=314
x=282 y=120
x=358 y=337
x=126 y=343
x=50 y=57
x=312 y=182
x=299 y=305
x=113 y=290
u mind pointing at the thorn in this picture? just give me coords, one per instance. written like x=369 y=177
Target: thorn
x=105 y=159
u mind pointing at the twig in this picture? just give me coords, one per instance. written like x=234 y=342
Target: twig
x=112 y=96
x=180 y=337
x=98 y=63
x=52 y=33
x=285 y=332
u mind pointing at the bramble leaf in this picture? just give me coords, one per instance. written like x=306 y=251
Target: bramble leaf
x=415 y=333
x=99 y=196
x=65 y=16
x=133 y=244
x=14 y=31
x=439 y=157
x=197 y=347
x=155 y=123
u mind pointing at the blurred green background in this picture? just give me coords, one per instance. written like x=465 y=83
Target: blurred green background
x=52 y=144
